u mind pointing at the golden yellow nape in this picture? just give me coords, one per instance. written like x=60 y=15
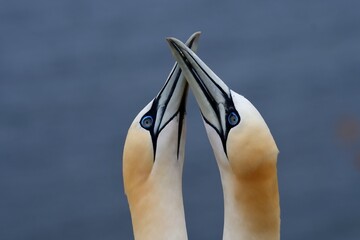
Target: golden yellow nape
x=244 y=148
x=153 y=159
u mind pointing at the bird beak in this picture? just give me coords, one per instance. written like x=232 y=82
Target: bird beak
x=171 y=100
x=211 y=93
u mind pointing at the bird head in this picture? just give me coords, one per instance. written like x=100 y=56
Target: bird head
x=155 y=139
x=239 y=136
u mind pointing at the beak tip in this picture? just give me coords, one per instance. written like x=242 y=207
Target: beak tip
x=175 y=43
x=196 y=34
x=175 y=46
x=170 y=40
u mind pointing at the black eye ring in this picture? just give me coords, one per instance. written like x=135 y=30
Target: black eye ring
x=233 y=118
x=147 y=122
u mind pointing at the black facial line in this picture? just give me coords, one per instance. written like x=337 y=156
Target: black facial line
x=223 y=133
x=182 y=112
x=152 y=112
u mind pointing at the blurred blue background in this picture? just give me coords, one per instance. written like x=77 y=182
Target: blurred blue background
x=73 y=75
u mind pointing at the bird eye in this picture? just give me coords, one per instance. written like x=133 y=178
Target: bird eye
x=147 y=122
x=233 y=119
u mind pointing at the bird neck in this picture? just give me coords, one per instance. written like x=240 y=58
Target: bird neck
x=251 y=204
x=157 y=210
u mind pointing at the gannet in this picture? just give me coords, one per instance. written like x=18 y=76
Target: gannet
x=153 y=159
x=244 y=148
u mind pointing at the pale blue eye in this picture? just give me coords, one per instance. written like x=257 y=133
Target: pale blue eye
x=147 y=122
x=233 y=119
